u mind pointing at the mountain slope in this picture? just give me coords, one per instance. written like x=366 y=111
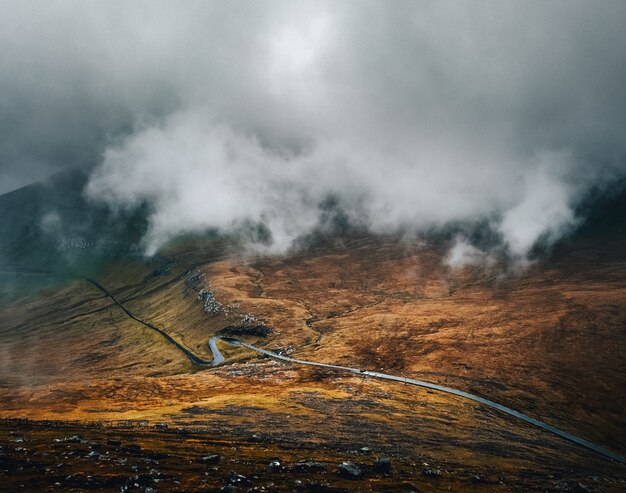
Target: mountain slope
x=547 y=341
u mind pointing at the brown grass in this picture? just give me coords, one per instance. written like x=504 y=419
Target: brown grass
x=548 y=342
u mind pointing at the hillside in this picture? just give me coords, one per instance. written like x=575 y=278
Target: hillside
x=547 y=341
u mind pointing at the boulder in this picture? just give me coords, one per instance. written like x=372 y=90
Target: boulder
x=350 y=470
x=382 y=465
x=236 y=479
x=431 y=473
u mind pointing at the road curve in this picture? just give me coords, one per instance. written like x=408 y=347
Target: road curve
x=218 y=359
x=420 y=383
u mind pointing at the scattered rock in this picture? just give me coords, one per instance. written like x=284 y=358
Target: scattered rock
x=478 y=479
x=382 y=465
x=211 y=459
x=229 y=488
x=139 y=481
x=431 y=473
x=71 y=439
x=194 y=279
x=236 y=479
x=210 y=304
x=276 y=465
x=350 y=470
x=309 y=466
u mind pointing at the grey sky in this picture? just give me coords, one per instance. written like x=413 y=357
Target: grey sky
x=414 y=113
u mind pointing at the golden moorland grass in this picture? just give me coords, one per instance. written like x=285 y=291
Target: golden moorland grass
x=547 y=341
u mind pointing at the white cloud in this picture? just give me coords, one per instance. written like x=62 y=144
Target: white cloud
x=462 y=253
x=415 y=115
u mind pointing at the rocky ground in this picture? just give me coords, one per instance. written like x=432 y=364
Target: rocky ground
x=38 y=457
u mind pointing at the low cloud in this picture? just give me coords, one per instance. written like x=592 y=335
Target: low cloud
x=198 y=174
x=409 y=116
x=462 y=253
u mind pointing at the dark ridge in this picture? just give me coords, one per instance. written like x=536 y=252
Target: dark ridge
x=602 y=232
x=52 y=225
x=259 y=330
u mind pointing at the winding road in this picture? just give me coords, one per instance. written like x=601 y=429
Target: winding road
x=218 y=359
x=421 y=383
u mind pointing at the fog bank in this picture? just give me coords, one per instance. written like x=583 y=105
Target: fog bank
x=410 y=116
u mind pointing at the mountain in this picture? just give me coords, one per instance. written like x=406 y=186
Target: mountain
x=96 y=360
x=51 y=225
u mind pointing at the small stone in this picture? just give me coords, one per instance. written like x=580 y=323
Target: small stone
x=276 y=465
x=431 y=473
x=236 y=479
x=309 y=466
x=229 y=488
x=71 y=439
x=477 y=479
x=382 y=465
x=211 y=459
x=350 y=470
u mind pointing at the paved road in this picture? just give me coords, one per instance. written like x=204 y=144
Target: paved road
x=218 y=359
x=441 y=388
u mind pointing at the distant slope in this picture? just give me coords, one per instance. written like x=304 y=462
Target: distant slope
x=50 y=225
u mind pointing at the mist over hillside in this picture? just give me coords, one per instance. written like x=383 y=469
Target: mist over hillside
x=221 y=116
x=52 y=225
x=319 y=246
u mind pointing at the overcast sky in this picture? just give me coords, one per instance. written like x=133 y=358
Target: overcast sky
x=412 y=114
